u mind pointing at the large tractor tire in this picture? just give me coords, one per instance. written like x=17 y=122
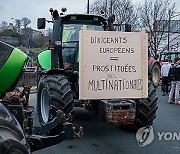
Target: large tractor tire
x=54 y=93
x=12 y=138
x=155 y=74
x=145 y=110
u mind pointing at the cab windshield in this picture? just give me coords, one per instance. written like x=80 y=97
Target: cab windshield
x=71 y=31
x=70 y=42
x=169 y=56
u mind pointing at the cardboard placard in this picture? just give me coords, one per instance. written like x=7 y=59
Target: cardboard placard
x=113 y=65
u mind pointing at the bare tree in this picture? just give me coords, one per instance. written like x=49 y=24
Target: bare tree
x=99 y=7
x=4 y=24
x=124 y=11
x=25 y=22
x=155 y=16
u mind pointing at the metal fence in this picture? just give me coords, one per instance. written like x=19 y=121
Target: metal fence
x=28 y=78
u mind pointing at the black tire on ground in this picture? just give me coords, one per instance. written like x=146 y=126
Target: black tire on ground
x=54 y=93
x=155 y=74
x=145 y=110
x=12 y=138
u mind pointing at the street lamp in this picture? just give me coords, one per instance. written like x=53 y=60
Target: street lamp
x=88 y=7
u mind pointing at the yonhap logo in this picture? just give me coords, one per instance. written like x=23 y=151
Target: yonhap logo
x=145 y=136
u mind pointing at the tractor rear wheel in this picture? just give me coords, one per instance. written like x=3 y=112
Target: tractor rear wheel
x=54 y=93
x=145 y=110
x=12 y=138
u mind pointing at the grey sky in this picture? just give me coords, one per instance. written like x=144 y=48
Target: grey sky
x=33 y=9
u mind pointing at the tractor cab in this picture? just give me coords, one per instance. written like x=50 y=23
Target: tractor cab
x=65 y=37
x=170 y=56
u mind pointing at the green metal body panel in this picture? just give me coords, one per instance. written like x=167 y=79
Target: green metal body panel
x=44 y=59
x=11 y=70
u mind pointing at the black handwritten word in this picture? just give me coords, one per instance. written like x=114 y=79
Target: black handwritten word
x=115 y=85
x=113 y=68
x=116 y=50
x=116 y=58
x=111 y=76
x=108 y=40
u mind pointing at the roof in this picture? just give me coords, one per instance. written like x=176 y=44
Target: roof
x=82 y=17
x=77 y=14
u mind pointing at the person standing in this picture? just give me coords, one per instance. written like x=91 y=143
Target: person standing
x=174 y=75
x=164 y=74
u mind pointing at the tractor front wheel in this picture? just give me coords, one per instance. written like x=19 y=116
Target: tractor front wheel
x=54 y=93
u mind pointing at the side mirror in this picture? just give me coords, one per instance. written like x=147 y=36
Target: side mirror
x=111 y=19
x=41 y=23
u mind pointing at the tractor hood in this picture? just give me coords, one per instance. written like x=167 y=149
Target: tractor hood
x=44 y=59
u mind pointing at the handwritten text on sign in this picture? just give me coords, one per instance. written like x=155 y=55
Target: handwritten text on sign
x=113 y=65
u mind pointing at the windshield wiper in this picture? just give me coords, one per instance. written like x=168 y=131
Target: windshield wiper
x=71 y=42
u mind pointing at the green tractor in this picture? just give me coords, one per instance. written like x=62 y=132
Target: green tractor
x=18 y=134
x=58 y=76
x=12 y=138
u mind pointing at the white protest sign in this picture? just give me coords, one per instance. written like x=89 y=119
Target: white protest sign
x=113 y=65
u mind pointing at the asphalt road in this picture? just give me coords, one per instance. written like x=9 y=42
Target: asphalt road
x=100 y=138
